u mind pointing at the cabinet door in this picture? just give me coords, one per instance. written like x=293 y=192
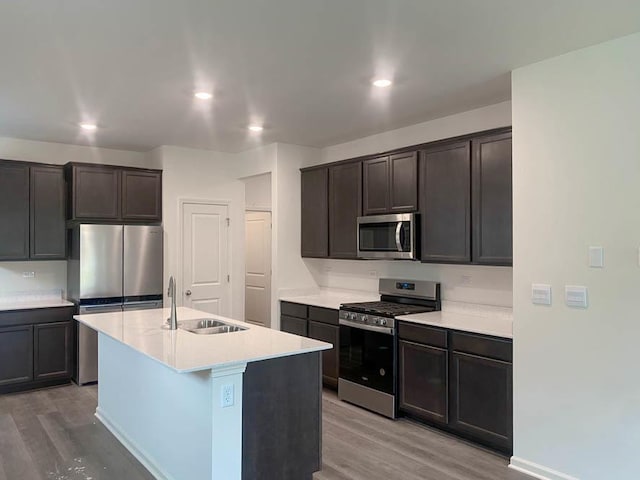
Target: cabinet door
x=445 y=191
x=142 y=195
x=403 y=182
x=423 y=381
x=375 y=180
x=297 y=326
x=481 y=393
x=48 y=233
x=14 y=211
x=16 y=355
x=330 y=358
x=315 y=213
x=52 y=350
x=95 y=193
x=492 y=200
x=345 y=206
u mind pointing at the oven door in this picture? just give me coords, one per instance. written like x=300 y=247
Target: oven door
x=387 y=236
x=367 y=356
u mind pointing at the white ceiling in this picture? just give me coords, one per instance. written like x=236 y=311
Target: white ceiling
x=303 y=67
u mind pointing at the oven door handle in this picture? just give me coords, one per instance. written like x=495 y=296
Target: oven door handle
x=398 y=242
x=371 y=328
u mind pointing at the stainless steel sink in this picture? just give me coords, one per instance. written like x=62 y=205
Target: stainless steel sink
x=209 y=326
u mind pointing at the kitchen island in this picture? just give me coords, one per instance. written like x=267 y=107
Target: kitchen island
x=229 y=406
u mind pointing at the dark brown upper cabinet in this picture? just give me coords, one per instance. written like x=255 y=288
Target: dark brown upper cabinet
x=141 y=195
x=315 y=212
x=47 y=213
x=375 y=182
x=492 y=200
x=345 y=206
x=445 y=183
x=390 y=184
x=95 y=192
x=14 y=211
x=106 y=193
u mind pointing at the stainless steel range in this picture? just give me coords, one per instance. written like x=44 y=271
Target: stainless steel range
x=368 y=342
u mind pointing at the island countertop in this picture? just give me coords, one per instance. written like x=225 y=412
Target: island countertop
x=183 y=351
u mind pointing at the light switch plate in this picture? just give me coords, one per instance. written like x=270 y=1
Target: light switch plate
x=576 y=296
x=541 y=294
x=596 y=257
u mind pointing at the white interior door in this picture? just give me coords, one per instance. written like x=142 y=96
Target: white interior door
x=205 y=261
x=257 y=295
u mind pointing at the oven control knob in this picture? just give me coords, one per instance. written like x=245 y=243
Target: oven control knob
x=365 y=319
x=383 y=322
x=352 y=316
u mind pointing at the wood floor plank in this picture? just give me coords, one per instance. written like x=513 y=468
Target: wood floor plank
x=53 y=435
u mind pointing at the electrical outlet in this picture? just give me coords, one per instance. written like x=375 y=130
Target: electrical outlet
x=373 y=273
x=28 y=274
x=227 y=395
x=466 y=280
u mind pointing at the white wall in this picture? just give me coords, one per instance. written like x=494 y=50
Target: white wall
x=203 y=175
x=257 y=192
x=476 y=284
x=53 y=274
x=576 y=169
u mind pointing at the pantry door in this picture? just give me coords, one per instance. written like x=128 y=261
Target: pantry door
x=257 y=290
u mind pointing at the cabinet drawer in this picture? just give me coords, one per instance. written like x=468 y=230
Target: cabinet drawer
x=421 y=334
x=484 y=346
x=35 y=316
x=293 y=309
x=324 y=315
x=297 y=326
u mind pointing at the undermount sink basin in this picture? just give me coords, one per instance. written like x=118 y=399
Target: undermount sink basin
x=209 y=326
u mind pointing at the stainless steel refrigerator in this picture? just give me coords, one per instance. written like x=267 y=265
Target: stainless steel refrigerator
x=111 y=268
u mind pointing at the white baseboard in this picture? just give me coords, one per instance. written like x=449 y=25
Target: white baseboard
x=143 y=458
x=537 y=471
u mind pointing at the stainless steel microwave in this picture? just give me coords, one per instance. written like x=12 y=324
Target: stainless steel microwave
x=388 y=236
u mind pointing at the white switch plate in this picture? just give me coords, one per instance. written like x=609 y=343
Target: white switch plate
x=541 y=294
x=575 y=296
x=28 y=274
x=227 y=395
x=596 y=257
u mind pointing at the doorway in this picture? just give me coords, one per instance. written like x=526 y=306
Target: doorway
x=257 y=296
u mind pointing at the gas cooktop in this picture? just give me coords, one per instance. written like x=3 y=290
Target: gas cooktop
x=388 y=309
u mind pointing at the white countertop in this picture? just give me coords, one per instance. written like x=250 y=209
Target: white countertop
x=29 y=304
x=143 y=330
x=483 y=319
x=331 y=298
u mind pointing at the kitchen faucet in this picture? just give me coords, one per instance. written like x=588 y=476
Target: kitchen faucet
x=173 y=318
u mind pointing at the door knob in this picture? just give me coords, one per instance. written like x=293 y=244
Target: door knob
x=188 y=293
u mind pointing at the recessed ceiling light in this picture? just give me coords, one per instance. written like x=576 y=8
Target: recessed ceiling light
x=88 y=126
x=256 y=128
x=382 y=83
x=203 y=95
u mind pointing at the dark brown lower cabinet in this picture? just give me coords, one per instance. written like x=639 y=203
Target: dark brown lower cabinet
x=35 y=348
x=297 y=326
x=52 y=350
x=481 y=390
x=330 y=358
x=16 y=354
x=423 y=381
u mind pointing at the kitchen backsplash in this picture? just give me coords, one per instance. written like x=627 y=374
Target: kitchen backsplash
x=15 y=277
x=460 y=283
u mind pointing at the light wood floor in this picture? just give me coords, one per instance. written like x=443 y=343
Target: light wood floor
x=53 y=435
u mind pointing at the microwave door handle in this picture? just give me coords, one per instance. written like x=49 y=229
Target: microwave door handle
x=398 y=242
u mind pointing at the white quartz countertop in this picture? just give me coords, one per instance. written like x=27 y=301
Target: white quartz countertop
x=486 y=320
x=30 y=304
x=331 y=298
x=145 y=331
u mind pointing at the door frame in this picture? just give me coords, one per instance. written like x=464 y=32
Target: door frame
x=182 y=201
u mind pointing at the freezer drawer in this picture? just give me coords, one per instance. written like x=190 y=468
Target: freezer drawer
x=142 y=261
x=142 y=305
